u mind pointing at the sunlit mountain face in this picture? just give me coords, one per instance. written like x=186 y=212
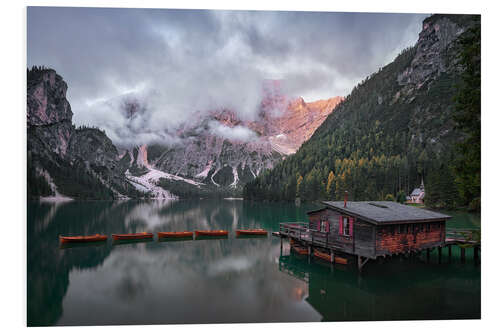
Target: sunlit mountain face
x=221 y=149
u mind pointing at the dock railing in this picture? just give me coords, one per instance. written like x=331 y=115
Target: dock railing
x=298 y=230
x=463 y=236
x=301 y=231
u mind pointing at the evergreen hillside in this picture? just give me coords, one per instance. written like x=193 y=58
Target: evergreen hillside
x=396 y=128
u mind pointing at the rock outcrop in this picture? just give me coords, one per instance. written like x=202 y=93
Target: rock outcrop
x=396 y=127
x=84 y=163
x=204 y=155
x=81 y=163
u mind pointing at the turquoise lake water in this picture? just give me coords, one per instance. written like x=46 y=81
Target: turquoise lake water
x=223 y=280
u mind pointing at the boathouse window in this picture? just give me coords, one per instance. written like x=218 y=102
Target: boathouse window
x=346 y=226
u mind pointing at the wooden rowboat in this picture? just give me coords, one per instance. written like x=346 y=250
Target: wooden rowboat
x=340 y=260
x=140 y=235
x=82 y=239
x=253 y=232
x=211 y=233
x=175 y=234
x=322 y=255
x=328 y=257
x=300 y=250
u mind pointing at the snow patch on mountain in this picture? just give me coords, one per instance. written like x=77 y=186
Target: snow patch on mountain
x=235 y=177
x=57 y=197
x=147 y=183
x=205 y=171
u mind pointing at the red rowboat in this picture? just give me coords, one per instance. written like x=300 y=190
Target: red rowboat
x=82 y=239
x=259 y=232
x=140 y=235
x=211 y=233
x=300 y=249
x=339 y=260
x=328 y=257
x=178 y=234
x=322 y=255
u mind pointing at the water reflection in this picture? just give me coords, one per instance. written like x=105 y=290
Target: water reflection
x=227 y=280
x=390 y=290
x=218 y=280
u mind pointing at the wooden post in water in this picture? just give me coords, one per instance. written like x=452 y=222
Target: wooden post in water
x=449 y=250
x=462 y=254
x=440 y=250
x=476 y=253
x=428 y=254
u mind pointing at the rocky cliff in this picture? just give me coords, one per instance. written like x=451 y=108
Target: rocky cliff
x=208 y=156
x=64 y=161
x=68 y=162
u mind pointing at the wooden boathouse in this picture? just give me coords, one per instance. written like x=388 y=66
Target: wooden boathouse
x=367 y=230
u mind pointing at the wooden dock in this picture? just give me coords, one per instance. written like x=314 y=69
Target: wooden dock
x=464 y=238
x=300 y=233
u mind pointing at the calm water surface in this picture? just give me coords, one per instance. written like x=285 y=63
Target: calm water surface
x=225 y=280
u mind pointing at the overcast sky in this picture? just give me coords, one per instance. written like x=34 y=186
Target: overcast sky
x=178 y=62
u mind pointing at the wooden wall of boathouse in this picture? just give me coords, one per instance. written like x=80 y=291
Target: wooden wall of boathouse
x=361 y=238
x=402 y=238
x=369 y=240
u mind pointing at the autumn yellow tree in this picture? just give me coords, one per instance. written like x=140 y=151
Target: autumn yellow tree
x=329 y=189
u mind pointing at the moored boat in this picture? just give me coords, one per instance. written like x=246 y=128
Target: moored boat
x=328 y=257
x=340 y=260
x=300 y=249
x=140 y=235
x=211 y=233
x=175 y=234
x=83 y=239
x=251 y=232
x=322 y=255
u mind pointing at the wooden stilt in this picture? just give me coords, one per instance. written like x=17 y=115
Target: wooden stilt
x=476 y=253
x=462 y=254
x=449 y=251
x=362 y=262
x=440 y=250
x=428 y=254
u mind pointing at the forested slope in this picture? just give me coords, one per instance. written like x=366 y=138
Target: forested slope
x=397 y=127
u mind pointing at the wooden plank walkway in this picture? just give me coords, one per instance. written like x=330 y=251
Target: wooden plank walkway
x=470 y=237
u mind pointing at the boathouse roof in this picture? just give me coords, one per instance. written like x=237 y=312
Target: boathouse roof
x=385 y=212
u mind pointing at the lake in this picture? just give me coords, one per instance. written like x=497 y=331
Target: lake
x=223 y=280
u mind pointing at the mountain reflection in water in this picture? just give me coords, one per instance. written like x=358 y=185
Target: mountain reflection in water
x=216 y=281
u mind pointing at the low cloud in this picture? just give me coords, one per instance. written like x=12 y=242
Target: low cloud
x=237 y=133
x=178 y=63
